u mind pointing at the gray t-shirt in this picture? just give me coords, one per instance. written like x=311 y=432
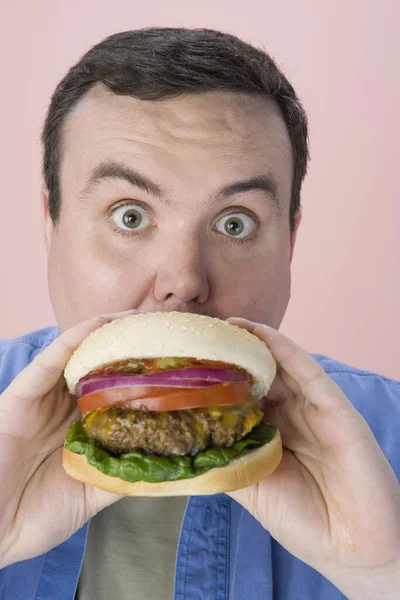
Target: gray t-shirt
x=131 y=550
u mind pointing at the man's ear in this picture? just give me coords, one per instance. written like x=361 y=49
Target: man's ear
x=47 y=223
x=293 y=235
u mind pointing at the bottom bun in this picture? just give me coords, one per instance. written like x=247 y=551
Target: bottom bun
x=240 y=473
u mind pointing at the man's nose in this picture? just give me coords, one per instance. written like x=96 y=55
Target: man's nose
x=182 y=274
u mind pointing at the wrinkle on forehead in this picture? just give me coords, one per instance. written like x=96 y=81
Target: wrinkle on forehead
x=204 y=118
x=209 y=136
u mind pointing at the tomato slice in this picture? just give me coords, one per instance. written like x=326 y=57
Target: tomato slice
x=166 y=398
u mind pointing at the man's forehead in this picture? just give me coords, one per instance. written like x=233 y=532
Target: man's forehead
x=201 y=142
x=209 y=118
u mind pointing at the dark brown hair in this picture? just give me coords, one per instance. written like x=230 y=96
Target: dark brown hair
x=158 y=63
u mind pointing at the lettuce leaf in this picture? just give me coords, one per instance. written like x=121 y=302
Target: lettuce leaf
x=137 y=466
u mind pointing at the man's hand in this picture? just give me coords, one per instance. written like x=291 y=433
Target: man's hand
x=334 y=501
x=40 y=505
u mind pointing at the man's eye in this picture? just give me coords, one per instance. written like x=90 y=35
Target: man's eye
x=131 y=217
x=236 y=225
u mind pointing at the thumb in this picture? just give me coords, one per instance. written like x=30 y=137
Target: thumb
x=44 y=372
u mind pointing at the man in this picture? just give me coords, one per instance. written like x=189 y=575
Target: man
x=173 y=163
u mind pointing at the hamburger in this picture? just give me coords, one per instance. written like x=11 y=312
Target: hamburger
x=169 y=405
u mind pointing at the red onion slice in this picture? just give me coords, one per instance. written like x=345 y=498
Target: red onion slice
x=190 y=377
x=96 y=384
x=208 y=373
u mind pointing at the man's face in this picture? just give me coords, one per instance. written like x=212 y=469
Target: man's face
x=180 y=204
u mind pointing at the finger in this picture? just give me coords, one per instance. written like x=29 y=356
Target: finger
x=120 y=314
x=243 y=323
x=44 y=372
x=305 y=372
x=277 y=395
x=284 y=410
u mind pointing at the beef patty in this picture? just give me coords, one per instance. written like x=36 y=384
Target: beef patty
x=181 y=432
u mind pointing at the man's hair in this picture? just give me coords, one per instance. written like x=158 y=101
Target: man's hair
x=161 y=63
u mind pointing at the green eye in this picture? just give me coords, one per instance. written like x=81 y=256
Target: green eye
x=234 y=226
x=238 y=225
x=132 y=218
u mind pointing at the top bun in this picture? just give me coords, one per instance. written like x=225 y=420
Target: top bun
x=173 y=334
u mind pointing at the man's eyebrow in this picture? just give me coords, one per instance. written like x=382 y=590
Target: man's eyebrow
x=266 y=183
x=115 y=170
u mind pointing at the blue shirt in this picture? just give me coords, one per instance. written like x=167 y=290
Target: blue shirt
x=223 y=552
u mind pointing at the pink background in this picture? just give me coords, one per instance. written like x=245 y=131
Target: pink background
x=342 y=58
